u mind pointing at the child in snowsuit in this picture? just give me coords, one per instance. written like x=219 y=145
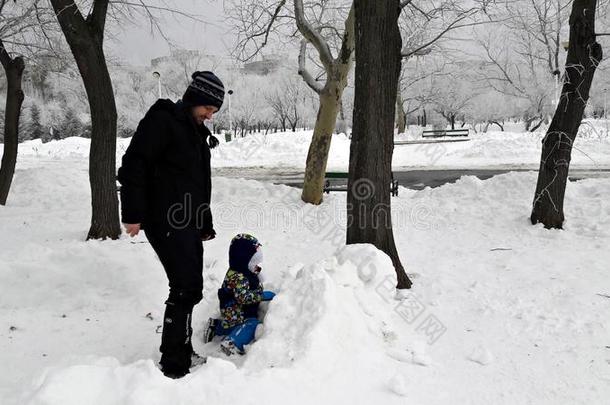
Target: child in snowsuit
x=240 y=295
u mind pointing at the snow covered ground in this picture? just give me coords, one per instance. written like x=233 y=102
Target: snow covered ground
x=501 y=312
x=289 y=150
x=490 y=150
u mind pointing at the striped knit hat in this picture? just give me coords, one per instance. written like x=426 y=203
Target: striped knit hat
x=205 y=89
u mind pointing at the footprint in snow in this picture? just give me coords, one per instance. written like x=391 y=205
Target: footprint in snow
x=481 y=355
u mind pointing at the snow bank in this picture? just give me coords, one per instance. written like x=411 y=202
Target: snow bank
x=492 y=149
x=501 y=312
x=289 y=150
x=325 y=323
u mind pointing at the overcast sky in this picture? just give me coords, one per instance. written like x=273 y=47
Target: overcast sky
x=137 y=45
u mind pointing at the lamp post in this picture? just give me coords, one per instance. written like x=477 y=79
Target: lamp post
x=606 y=108
x=157 y=76
x=556 y=73
x=230 y=92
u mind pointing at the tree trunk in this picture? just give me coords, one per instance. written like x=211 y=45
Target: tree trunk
x=85 y=38
x=317 y=157
x=14 y=99
x=378 y=61
x=341 y=122
x=401 y=117
x=584 y=55
x=330 y=95
x=102 y=161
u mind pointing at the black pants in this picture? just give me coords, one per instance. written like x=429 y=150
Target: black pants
x=181 y=253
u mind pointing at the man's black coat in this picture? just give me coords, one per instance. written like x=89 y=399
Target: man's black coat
x=165 y=174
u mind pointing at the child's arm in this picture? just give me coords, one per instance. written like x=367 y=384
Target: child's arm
x=243 y=294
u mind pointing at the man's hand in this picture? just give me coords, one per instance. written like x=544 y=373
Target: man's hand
x=132 y=229
x=209 y=235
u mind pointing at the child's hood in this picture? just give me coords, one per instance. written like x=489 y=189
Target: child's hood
x=241 y=250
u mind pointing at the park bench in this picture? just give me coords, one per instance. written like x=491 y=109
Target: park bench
x=429 y=141
x=438 y=133
x=328 y=186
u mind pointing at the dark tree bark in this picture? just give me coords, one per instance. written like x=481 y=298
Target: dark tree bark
x=13 y=67
x=584 y=55
x=378 y=45
x=85 y=36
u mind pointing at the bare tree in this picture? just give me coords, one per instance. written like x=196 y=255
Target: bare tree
x=523 y=56
x=378 y=46
x=519 y=77
x=424 y=26
x=85 y=36
x=286 y=101
x=330 y=95
x=16 y=25
x=414 y=89
x=584 y=55
x=424 y=23
x=489 y=108
x=452 y=95
x=280 y=104
x=13 y=68
x=317 y=24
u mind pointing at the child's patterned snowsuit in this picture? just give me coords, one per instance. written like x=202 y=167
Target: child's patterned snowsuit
x=240 y=294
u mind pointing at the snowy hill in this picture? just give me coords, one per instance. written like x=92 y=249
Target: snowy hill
x=501 y=312
x=289 y=150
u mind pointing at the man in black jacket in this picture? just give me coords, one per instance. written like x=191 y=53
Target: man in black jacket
x=165 y=191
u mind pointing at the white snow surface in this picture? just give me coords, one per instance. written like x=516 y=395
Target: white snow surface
x=289 y=150
x=501 y=312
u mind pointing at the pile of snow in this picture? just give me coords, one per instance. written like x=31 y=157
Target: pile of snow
x=501 y=311
x=289 y=150
x=327 y=319
x=488 y=150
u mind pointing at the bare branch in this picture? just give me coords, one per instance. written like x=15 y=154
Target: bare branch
x=405 y=3
x=149 y=7
x=275 y=14
x=312 y=35
x=304 y=73
x=453 y=26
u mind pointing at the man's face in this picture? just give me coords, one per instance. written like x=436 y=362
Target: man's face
x=201 y=113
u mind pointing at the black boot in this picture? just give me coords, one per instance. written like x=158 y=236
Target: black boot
x=176 y=346
x=196 y=359
x=210 y=330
